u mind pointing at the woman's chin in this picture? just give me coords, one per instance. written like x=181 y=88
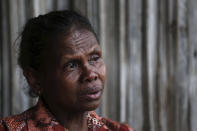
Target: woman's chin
x=90 y=105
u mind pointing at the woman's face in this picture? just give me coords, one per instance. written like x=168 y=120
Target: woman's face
x=74 y=72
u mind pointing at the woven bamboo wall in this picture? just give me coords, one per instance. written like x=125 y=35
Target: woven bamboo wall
x=149 y=47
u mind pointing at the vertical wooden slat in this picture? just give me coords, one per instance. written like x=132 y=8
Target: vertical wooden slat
x=123 y=60
x=144 y=70
x=182 y=69
x=192 y=14
x=134 y=88
x=13 y=23
x=50 y=5
x=170 y=56
x=6 y=63
x=80 y=6
x=108 y=35
x=152 y=35
x=93 y=14
x=32 y=8
x=161 y=88
x=63 y=4
x=35 y=4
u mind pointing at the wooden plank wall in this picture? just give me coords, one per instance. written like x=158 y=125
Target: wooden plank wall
x=150 y=50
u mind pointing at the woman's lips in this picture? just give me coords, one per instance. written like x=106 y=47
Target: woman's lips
x=93 y=96
x=93 y=93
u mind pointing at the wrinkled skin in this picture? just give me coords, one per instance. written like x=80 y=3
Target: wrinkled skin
x=74 y=66
x=72 y=76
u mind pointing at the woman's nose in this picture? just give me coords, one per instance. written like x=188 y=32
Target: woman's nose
x=89 y=75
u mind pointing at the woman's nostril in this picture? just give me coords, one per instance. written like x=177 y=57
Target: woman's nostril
x=90 y=79
x=95 y=78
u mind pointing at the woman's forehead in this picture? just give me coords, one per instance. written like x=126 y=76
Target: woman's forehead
x=79 y=36
x=75 y=42
x=79 y=40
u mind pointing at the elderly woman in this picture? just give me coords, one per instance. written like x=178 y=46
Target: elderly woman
x=62 y=61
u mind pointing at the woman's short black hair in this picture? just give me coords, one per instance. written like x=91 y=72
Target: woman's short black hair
x=38 y=30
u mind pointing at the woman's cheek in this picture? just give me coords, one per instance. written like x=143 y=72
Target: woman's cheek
x=102 y=71
x=72 y=76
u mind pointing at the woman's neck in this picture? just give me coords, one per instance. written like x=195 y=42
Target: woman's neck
x=71 y=120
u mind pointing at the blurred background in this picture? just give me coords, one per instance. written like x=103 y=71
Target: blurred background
x=150 y=50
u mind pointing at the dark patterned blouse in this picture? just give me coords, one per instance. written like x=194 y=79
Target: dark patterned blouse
x=38 y=118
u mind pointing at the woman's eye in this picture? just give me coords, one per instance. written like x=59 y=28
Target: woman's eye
x=71 y=66
x=94 y=57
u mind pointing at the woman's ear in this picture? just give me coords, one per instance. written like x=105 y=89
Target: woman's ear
x=33 y=80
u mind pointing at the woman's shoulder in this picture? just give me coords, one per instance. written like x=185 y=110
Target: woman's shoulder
x=110 y=124
x=114 y=125
x=14 y=122
x=11 y=122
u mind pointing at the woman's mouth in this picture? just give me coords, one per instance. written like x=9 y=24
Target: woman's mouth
x=91 y=94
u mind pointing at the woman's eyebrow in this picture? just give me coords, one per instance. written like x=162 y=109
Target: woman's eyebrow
x=95 y=51
x=77 y=56
x=70 y=52
x=69 y=56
